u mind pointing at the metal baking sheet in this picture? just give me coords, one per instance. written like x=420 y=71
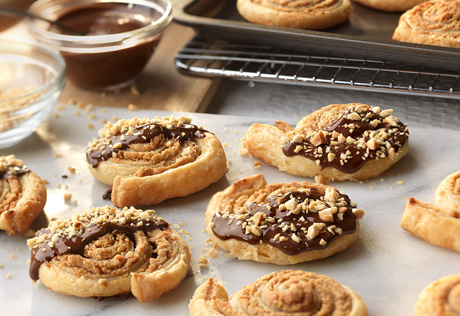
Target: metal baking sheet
x=367 y=34
x=387 y=266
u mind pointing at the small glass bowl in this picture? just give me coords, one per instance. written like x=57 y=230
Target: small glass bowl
x=32 y=77
x=107 y=61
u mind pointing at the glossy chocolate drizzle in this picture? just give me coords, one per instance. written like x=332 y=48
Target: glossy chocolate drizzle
x=76 y=244
x=356 y=159
x=142 y=135
x=228 y=229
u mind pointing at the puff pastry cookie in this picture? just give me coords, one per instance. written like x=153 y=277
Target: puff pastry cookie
x=438 y=224
x=148 y=161
x=282 y=223
x=432 y=23
x=305 y=14
x=285 y=293
x=441 y=298
x=107 y=252
x=23 y=195
x=340 y=142
x=390 y=5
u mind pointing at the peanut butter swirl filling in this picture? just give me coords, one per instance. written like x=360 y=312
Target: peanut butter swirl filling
x=162 y=142
x=294 y=218
x=361 y=133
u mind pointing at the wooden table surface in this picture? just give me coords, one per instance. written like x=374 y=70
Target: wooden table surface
x=160 y=86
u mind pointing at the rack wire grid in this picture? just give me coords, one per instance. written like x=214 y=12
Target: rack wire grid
x=215 y=58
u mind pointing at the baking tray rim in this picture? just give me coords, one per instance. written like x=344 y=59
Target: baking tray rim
x=298 y=39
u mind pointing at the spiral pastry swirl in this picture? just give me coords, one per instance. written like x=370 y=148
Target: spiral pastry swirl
x=440 y=298
x=433 y=23
x=286 y=293
x=439 y=223
x=339 y=142
x=22 y=197
x=282 y=223
x=447 y=195
x=168 y=156
x=302 y=14
x=107 y=252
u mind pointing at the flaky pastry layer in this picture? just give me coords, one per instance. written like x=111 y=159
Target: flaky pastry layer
x=373 y=143
x=317 y=238
x=285 y=293
x=23 y=196
x=171 y=158
x=439 y=223
x=431 y=23
x=441 y=298
x=136 y=253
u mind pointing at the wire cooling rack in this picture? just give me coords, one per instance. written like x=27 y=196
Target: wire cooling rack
x=214 y=58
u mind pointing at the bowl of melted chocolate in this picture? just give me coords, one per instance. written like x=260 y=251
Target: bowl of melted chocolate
x=106 y=44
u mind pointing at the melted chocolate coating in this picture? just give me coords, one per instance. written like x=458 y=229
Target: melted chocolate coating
x=75 y=245
x=357 y=158
x=142 y=135
x=224 y=229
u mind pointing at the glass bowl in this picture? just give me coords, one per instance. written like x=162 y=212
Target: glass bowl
x=119 y=37
x=32 y=78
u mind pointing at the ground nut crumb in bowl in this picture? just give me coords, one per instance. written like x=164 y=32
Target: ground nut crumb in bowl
x=32 y=78
x=113 y=39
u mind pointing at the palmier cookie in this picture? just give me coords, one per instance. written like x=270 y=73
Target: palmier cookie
x=438 y=224
x=281 y=223
x=432 y=23
x=285 y=293
x=390 y=5
x=440 y=298
x=23 y=195
x=340 y=142
x=306 y=14
x=148 y=161
x=107 y=252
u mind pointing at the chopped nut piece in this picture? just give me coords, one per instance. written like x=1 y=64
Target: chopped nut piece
x=330 y=157
x=296 y=238
x=318 y=139
x=212 y=253
x=298 y=138
x=354 y=116
x=326 y=215
x=203 y=262
x=320 y=179
x=314 y=230
x=258 y=218
x=331 y=195
x=372 y=144
x=358 y=213
x=67 y=196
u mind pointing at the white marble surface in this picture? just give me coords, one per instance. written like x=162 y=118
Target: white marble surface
x=386 y=265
